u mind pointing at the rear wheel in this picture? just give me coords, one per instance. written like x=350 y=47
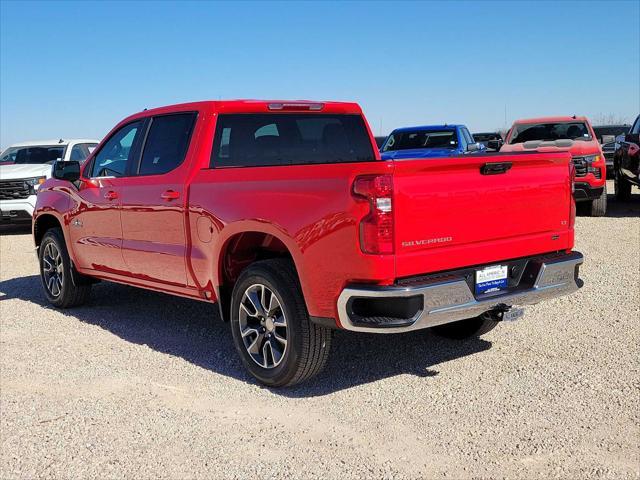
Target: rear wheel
x=623 y=188
x=271 y=329
x=599 y=205
x=469 y=328
x=63 y=287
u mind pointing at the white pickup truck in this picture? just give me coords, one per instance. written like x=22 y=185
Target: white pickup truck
x=25 y=166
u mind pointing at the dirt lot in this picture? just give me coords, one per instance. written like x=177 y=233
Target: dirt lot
x=145 y=385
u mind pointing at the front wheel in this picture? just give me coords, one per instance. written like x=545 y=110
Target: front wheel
x=271 y=329
x=599 y=205
x=56 y=270
x=469 y=328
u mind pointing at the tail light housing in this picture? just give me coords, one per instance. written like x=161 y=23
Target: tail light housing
x=572 y=181
x=376 y=228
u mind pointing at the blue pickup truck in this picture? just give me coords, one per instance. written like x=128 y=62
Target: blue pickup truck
x=429 y=141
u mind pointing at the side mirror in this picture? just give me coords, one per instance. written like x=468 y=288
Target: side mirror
x=69 y=171
x=494 y=144
x=475 y=147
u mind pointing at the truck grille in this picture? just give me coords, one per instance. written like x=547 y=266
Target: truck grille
x=13 y=189
x=581 y=166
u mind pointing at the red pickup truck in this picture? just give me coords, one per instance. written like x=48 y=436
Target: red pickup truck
x=284 y=214
x=572 y=134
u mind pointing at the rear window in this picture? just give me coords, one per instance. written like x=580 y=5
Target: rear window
x=254 y=140
x=526 y=132
x=33 y=155
x=412 y=139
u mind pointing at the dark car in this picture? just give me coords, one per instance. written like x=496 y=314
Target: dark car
x=380 y=141
x=626 y=161
x=606 y=133
x=491 y=140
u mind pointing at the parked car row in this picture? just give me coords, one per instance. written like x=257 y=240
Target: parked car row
x=592 y=159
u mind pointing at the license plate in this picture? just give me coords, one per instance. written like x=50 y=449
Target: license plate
x=513 y=314
x=491 y=279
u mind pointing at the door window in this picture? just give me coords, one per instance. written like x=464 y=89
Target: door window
x=167 y=143
x=112 y=159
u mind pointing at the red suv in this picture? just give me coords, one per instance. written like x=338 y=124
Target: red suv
x=573 y=134
x=284 y=214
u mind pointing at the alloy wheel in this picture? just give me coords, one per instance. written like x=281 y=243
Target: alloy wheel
x=263 y=326
x=53 y=269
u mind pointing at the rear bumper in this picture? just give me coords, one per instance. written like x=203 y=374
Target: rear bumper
x=448 y=297
x=584 y=191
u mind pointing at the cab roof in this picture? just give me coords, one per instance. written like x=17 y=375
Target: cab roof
x=552 y=119
x=256 y=106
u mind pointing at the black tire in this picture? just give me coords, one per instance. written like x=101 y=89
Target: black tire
x=63 y=287
x=307 y=344
x=599 y=205
x=623 y=187
x=469 y=328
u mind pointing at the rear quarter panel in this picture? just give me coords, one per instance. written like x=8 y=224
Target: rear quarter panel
x=308 y=207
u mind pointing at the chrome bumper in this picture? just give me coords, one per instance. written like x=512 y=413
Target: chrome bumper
x=450 y=299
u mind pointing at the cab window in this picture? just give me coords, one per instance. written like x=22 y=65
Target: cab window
x=167 y=143
x=112 y=159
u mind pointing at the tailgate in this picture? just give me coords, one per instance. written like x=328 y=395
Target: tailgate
x=449 y=215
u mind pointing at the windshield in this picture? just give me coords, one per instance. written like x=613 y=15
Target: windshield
x=525 y=132
x=33 y=155
x=484 y=137
x=411 y=139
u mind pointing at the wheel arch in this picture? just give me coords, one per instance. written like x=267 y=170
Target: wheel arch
x=240 y=248
x=42 y=223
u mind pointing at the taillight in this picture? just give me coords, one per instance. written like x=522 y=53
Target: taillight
x=572 y=207
x=376 y=229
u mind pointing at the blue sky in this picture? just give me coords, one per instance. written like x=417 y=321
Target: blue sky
x=74 y=69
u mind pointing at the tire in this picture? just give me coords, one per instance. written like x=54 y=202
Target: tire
x=306 y=348
x=599 y=205
x=623 y=188
x=469 y=328
x=62 y=286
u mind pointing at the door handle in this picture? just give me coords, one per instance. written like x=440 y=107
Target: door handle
x=111 y=195
x=495 y=168
x=170 y=195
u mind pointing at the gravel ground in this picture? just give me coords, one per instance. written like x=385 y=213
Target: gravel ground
x=140 y=384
